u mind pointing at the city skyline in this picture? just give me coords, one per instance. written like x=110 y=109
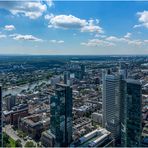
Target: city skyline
x=73 y=28
x=75 y=101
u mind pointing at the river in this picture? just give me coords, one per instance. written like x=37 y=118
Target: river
x=18 y=89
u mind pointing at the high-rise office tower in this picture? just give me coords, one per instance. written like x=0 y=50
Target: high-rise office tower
x=122 y=107
x=61 y=115
x=83 y=70
x=10 y=102
x=67 y=77
x=1 y=140
x=122 y=91
x=111 y=104
x=131 y=113
x=80 y=73
x=123 y=70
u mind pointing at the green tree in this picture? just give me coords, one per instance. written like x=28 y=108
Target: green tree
x=18 y=143
x=5 y=139
x=30 y=144
x=8 y=145
x=21 y=134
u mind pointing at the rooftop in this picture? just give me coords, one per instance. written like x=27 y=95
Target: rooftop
x=95 y=137
x=133 y=81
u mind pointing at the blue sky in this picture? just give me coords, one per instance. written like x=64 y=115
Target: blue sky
x=73 y=28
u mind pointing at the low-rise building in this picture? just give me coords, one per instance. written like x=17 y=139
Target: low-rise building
x=47 y=139
x=13 y=117
x=34 y=125
x=96 y=138
x=96 y=118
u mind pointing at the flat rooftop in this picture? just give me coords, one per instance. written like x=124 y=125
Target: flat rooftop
x=99 y=135
x=133 y=81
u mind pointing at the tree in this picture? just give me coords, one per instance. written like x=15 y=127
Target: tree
x=5 y=139
x=8 y=145
x=30 y=144
x=21 y=134
x=18 y=143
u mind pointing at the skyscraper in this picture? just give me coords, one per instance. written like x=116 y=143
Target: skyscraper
x=66 y=77
x=83 y=70
x=122 y=91
x=123 y=70
x=1 y=140
x=80 y=73
x=111 y=104
x=10 y=102
x=122 y=107
x=131 y=114
x=61 y=115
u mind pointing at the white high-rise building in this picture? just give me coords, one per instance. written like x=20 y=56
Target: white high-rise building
x=111 y=103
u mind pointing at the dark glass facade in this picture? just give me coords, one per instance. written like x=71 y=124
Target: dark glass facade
x=61 y=115
x=131 y=114
x=1 y=117
x=122 y=110
x=66 y=76
x=83 y=70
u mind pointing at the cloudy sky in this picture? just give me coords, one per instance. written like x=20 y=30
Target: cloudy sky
x=73 y=28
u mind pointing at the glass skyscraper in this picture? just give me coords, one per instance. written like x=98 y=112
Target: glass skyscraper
x=122 y=108
x=131 y=116
x=61 y=115
x=1 y=140
x=66 y=77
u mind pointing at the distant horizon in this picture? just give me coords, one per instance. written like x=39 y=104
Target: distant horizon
x=74 y=55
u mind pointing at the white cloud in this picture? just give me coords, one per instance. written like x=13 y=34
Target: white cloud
x=126 y=39
x=72 y=22
x=33 y=9
x=135 y=42
x=100 y=36
x=97 y=42
x=2 y=36
x=116 y=39
x=146 y=41
x=48 y=17
x=49 y=2
x=91 y=27
x=66 y=22
x=25 y=37
x=137 y=26
x=9 y=27
x=61 y=41
x=13 y=35
x=143 y=19
x=57 y=41
x=128 y=35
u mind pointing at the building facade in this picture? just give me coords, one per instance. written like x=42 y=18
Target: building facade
x=96 y=138
x=131 y=117
x=1 y=140
x=61 y=115
x=66 y=77
x=111 y=104
x=10 y=102
x=82 y=70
